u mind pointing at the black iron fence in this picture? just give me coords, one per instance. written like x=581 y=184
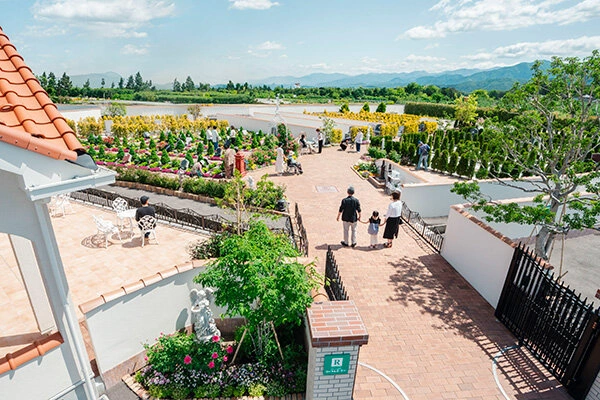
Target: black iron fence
x=301 y=238
x=425 y=230
x=184 y=217
x=333 y=282
x=551 y=320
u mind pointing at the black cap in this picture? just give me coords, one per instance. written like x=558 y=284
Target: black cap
x=144 y=199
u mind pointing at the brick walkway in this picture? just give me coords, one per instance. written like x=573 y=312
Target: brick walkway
x=429 y=330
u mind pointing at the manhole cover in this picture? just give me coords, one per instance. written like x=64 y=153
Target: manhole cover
x=326 y=189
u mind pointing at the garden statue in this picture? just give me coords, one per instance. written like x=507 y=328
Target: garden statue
x=202 y=316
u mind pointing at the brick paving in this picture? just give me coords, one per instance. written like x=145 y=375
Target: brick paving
x=91 y=269
x=430 y=331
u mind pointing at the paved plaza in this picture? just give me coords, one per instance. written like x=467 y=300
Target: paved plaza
x=430 y=332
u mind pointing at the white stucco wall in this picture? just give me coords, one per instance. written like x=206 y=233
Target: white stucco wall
x=479 y=256
x=434 y=200
x=119 y=328
x=40 y=378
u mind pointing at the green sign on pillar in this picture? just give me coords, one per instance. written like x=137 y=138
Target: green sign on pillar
x=336 y=364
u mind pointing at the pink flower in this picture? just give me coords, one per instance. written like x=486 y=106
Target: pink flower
x=187 y=360
x=145 y=358
x=225 y=359
x=211 y=364
x=229 y=349
x=215 y=355
x=215 y=338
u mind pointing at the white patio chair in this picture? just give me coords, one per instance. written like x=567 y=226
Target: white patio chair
x=147 y=224
x=59 y=205
x=119 y=205
x=107 y=229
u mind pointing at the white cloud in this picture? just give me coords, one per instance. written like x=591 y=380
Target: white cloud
x=581 y=47
x=500 y=15
x=283 y=56
x=109 y=18
x=252 y=4
x=268 y=45
x=426 y=59
x=134 y=50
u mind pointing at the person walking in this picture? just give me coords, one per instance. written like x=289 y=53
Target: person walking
x=392 y=219
x=228 y=161
x=320 y=140
x=423 y=151
x=373 y=229
x=350 y=212
x=358 y=140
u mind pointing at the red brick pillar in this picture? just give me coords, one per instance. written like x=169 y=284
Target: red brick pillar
x=240 y=163
x=335 y=332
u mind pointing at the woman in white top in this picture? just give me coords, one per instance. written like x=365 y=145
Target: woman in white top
x=393 y=219
x=279 y=161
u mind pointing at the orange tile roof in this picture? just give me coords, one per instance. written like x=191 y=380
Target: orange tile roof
x=28 y=118
x=36 y=349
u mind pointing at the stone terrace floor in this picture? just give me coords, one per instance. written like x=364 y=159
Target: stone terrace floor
x=429 y=330
x=91 y=269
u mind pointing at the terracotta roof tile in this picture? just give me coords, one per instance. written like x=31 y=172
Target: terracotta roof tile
x=38 y=348
x=28 y=118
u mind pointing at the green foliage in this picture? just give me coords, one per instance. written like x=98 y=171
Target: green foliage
x=466 y=110
x=257 y=278
x=205 y=187
x=381 y=108
x=114 y=109
x=207 y=248
x=366 y=107
x=328 y=127
x=164 y=158
x=430 y=109
x=266 y=195
x=344 y=108
x=376 y=152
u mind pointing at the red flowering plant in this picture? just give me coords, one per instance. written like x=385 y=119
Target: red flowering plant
x=178 y=364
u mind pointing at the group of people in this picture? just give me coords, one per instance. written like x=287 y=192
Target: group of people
x=347 y=141
x=350 y=213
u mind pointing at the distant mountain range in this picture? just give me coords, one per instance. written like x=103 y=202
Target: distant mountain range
x=465 y=80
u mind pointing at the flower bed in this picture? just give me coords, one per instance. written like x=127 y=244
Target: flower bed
x=180 y=367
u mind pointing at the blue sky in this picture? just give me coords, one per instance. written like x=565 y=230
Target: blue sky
x=214 y=41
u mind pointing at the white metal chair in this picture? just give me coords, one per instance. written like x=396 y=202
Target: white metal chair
x=147 y=224
x=59 y=205
x=119 y=205
x=107 y=229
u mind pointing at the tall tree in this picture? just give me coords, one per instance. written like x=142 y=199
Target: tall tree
x=138 y=82
x=557 y=125
x=130 y=83
x=51 y=84
x=64 y=85
x=189 y=84
x=176 y=86
x=466 y=110
x=121 y=83
x=102 y=83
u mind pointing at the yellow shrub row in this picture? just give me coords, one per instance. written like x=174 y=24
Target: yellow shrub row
x=133 y=126
x=390 y=122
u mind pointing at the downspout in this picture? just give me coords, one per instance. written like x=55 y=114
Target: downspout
x=70 y=317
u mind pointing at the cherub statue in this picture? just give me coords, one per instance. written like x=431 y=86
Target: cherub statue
x=202 y=316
